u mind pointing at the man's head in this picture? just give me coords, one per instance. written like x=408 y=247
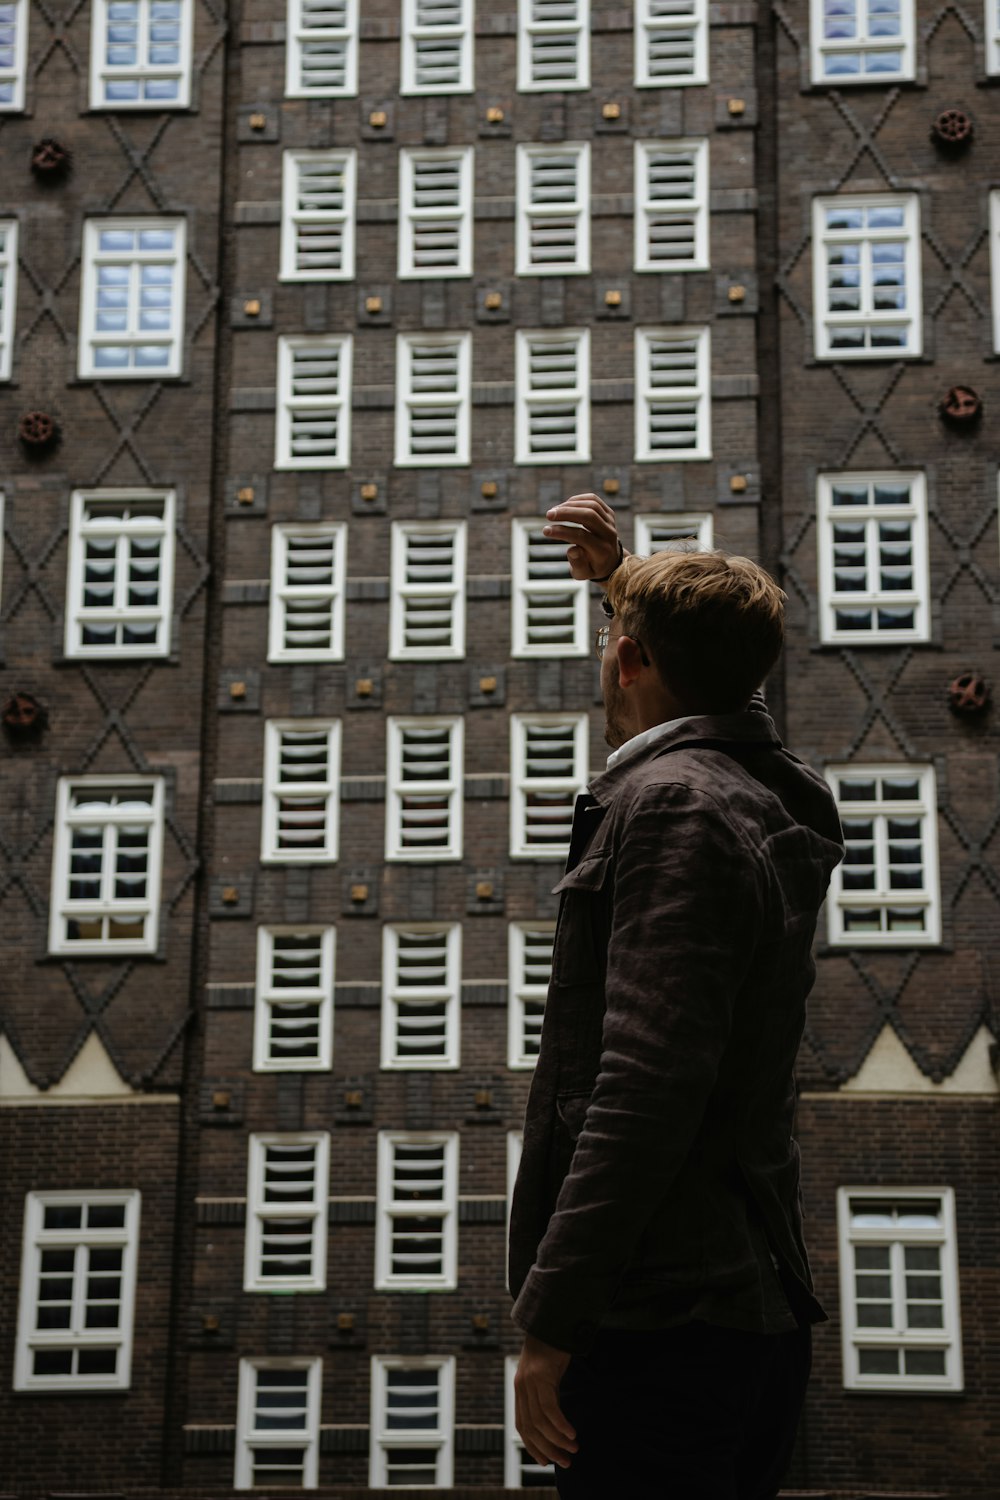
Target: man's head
x=692 y=633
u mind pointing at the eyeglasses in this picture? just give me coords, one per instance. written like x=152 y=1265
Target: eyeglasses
x=602 y=638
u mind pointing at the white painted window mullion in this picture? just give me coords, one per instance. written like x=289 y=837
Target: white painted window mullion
x=8 y=293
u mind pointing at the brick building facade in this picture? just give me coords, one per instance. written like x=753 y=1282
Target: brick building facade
x=358 y=297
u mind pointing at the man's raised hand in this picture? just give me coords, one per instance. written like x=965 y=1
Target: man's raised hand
x=593 y=551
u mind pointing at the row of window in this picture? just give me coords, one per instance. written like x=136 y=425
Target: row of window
x=873 y=549
x=900 y=1316
x=141 y=49
x=437 y=202
x=421 y=995
x=866 y=298
x=109 y=830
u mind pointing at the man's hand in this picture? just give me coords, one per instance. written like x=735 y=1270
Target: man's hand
x=544 y=1430
x=592 y=552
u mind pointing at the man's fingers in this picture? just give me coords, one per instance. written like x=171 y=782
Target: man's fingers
x=554 y=1418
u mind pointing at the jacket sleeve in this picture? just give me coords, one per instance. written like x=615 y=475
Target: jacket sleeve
x=685 y=916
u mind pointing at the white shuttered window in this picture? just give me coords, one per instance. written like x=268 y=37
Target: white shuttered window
x=553 y=210
x=672 y=384
x=424 y=805
x=553 y=411
x=671 y=218
x=322 y=48
x=421 y=995
x=437 y=51
x=528 y=975
x=433 y=395
x=553 y=44
x=301 y=791
x=873 y=580
x=106 y=865
x=277 y=1425
x=313 y=429
x=548 y=757
x=413 y=1423
x=307 y=592
x=866 y=277
x=550 y=614
x=416 y=1235
x=435 y=213
x=427 y=612
x=120 y=581
x=293 y=1011
x=287 y=1190
x=671 y=43
x=317 y=215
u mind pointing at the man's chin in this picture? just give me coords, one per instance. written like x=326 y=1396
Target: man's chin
x=614 y=735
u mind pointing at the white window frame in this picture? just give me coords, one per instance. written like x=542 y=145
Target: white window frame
x=915 y=512
x=529 y=398
x=650 y=29
x=698 y=393
x=294 y=217
x=527 y=28
x=102 y=73
x=329 y=788
x=290 y=404
x=515 y=1149
x=928 y=900
x=992 y=33
x=8 y=295
x=441 y=1440
x=520 y=784
x=15 y=75
x=520 y=992
x=695 y=527
x=995 y=237
x=410 y=401
x=516 y=1454
x=824 y=321
x=259 y=1211
x=148 y=908
x=131 y=338
x=36 y=1240
x=449 y=994
x=298 y=35
x=121 y=612
x=447 y=595
x=948 y=1338
x=388 y=1210
x=306 y=1438
x=450 y=787
x=532 y=592
x=413 y=33
x=575 y=210
x=821 y=50
x=315 y=997
x=410 y=215
x=328 y=597
x=693 y=207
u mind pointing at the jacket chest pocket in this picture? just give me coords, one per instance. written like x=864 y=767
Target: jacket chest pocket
x=580 y=950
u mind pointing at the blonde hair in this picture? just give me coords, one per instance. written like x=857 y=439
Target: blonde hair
x=712 y=624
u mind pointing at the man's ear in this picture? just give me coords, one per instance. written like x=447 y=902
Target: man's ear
x=629 y=660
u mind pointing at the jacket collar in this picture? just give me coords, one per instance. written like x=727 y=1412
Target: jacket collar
x=749 y=727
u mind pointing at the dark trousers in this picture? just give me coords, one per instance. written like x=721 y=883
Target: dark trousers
x=689 y=1413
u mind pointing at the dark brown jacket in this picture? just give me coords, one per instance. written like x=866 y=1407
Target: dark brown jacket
x=658 y=1154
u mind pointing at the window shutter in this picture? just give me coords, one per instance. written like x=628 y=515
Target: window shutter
x=425 y=758
x=671 y=40
x=419 y=1177
x=550 y=784
x=289 y=1203
x=434 y=421
x=438 y=44
x=303 y=796
x=672 y=234
x=551 y=599
x=325 y=45
x=437 y=209
x=555 y=42
x=553 y=216
x=310 y=578
x=674 y=395
x=553 y=416
x=422 y=994
x=315 y=407
x=320 y=208
x=536 y=971
x=428 y=617
x=296 y=997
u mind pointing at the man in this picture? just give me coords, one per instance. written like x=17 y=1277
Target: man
x=656 y=1252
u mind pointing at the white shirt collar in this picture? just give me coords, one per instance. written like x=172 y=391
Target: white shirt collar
x=647 y=737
